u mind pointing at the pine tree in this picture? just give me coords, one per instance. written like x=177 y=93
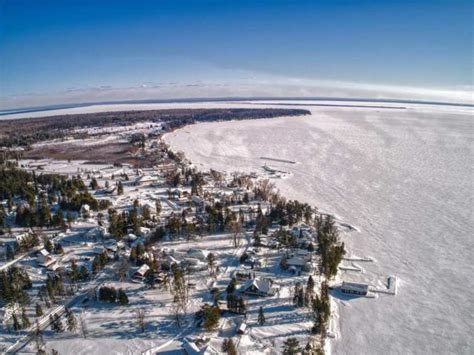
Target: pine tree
x=38 y=310
x=301 y=297
x=16 y=324
x=57 y=324
x=25 y=322
x=232 y=285
x=120 y=188
x=242 y=307
x=71 y=321
x=212 y=315
x=310 y=284
x=291 y=347
x=261 y=316
x=211 y=262
x=122 y=297
x=93 y=184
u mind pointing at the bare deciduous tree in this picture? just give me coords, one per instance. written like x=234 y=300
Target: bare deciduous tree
x=140 y=314
x=83 y=325
x=264 y=188
x=236 y=228
x=123 y=270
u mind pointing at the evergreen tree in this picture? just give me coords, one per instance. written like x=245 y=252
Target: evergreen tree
x=16 y=324
x=232 y=285
x=261 y=316
x=242 y=308
x=146 y=213
x=120 y=188
x=310 y=284
x=56 y=324
x=38 y=310
x=49 y=246
x=25 y=322
x=212 y=315
x=94 y=185
x=301 y=297
x=122 y=297
x=291 y=347
x=150 y=279
x=71 y=321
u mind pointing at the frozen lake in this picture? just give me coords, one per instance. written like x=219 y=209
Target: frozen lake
x=404 y=178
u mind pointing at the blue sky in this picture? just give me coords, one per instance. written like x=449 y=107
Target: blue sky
x=51 y=48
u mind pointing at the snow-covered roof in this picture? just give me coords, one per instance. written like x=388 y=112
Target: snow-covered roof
x=263 y=285
x=296 y=261
x=143 y=269
x=355 y=286
x=43 y=252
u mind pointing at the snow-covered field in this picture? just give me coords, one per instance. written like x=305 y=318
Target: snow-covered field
x=404 y=178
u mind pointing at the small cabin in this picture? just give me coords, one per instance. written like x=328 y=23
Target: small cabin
x=355 y=288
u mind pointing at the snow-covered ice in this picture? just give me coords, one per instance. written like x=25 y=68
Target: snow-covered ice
x=404 y=178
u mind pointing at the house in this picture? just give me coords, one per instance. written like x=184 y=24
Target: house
x=145 y=179
x=19 y=237
x=258 y=287
x=302 y=231
x=95 y=233
x=45 y=259
x=42 y=255
x=355 y=288
x=139 y=275
x=243 y=275
x=198 y=347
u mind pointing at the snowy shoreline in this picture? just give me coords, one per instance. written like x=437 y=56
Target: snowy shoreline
x=360 y=163
x=333 y=328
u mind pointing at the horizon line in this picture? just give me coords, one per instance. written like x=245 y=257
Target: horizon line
x=53 y=107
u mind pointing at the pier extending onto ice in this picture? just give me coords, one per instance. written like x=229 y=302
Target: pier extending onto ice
x=279 y=160
x=358 y=258
x=392 y=284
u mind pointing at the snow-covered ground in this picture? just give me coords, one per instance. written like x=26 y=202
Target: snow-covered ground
x=403 y=178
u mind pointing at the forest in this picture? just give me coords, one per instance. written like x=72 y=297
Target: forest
x=33 y=130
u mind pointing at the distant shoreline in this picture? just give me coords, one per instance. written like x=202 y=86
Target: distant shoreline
x=13 y=111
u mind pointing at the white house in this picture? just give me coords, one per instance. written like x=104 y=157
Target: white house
x=45 y=259
x=258 y=287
